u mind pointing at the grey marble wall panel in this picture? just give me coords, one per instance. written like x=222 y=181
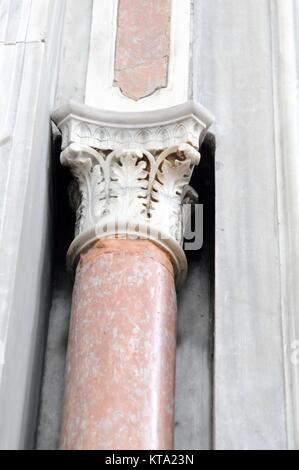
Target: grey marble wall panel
x=233 y=78
x=28 y=79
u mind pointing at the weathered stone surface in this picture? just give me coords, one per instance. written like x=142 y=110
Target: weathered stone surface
x=121 y=356
x=142 y=46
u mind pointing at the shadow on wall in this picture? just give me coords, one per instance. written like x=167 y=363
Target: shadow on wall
x=47 y=433
x=194 y=370
x=64 y=216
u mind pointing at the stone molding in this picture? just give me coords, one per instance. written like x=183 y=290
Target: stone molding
x=153 y=130
x=132 y=173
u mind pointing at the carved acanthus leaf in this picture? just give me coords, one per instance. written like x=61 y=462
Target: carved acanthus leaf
x=132 y=185
x=168 y=188
x=128 y=186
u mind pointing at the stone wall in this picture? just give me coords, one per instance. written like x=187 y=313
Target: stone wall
x=246 y=73
x=29 y=53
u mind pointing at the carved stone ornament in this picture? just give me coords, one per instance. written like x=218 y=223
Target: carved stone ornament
x=132 y=172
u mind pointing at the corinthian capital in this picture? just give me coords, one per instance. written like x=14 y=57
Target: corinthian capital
x=133 y=172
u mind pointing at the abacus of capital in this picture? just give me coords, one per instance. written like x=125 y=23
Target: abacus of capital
x=132 y=172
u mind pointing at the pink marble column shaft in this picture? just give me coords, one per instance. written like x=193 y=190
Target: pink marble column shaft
x=119 y=389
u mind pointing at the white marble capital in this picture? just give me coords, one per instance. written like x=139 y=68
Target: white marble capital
x=133 y=172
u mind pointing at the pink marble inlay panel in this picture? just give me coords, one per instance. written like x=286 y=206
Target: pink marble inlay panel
x=121 y=355
x=142 y=46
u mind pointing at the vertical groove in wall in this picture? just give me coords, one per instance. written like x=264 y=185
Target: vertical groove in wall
x=197 y=64
x=285 y=113
x=191 y=67
x=88 y=52
x=195 y=322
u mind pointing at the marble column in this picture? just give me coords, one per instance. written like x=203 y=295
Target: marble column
x=120 y=377
x=132 y=173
